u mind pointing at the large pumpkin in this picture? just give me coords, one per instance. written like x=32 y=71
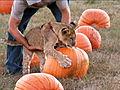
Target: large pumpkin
x=38 y=81
x=83 y=42
x=6 y=6
x=96 y=17
x=79 y=68
x=82 y=64
x=92 y=34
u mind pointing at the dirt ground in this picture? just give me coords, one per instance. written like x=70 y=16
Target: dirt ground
x=104 y=70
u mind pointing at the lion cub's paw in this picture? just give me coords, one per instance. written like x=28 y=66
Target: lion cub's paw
x=66 y=62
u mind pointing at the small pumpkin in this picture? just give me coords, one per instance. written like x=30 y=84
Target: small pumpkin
x=79 y=68
x=38 y=81
x=6 y=6
x=92 y=34
x=34 y=63
x=96 y=17
x=83 y=42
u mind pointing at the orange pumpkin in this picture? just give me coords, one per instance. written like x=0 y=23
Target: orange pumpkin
x=35 y=60
x=6 y=6
x=96 y=17
x=80 y=64
x=83 y=42
x=92 y=34
x=34 y=63
x=83 y=65
x=38 y=81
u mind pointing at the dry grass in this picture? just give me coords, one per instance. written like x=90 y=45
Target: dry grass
x=104 y=71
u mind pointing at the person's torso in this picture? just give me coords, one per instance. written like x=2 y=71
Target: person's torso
x=20 y=5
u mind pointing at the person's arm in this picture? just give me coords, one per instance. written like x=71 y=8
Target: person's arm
x=66 y=15
x=65 y=11
x=13 y=30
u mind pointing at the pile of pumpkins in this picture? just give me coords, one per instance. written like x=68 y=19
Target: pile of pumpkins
x=89 y=23
x=87 y=39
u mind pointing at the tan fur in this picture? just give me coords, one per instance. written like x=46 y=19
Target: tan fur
x=45 y=39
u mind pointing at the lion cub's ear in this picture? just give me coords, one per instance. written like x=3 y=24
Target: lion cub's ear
x=73 y=24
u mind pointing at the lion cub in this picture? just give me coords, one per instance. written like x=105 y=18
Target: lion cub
x=46 y=38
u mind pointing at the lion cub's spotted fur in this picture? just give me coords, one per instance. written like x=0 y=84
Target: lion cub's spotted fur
x=46 y=38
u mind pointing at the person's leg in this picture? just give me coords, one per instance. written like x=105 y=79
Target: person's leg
x=15 y=53
x=56 y=12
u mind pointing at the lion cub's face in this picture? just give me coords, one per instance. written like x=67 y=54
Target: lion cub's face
x=67 y=35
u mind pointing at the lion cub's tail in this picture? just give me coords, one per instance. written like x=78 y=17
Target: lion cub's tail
x=8 y=42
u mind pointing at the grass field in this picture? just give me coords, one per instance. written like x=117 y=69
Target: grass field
x=104 y=71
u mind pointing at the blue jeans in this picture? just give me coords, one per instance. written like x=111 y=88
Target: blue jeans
x=15 y=53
